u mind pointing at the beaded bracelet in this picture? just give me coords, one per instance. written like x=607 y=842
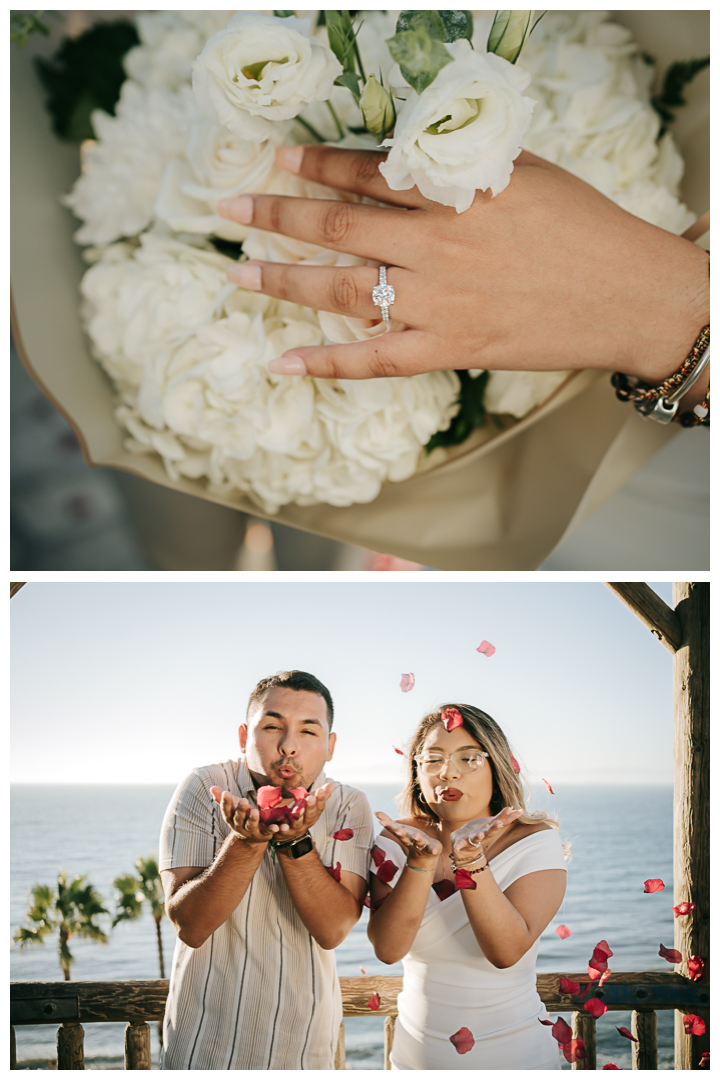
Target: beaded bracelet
x=479 y=870
x=661 y=402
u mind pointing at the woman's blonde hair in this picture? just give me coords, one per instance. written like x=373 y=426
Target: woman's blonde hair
x=507 y=788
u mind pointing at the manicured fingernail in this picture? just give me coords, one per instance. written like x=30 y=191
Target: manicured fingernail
x=247 y=275
x=239 y=209
x=288 y=365
x=289 y=157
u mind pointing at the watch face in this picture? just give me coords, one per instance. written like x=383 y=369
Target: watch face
x=302 y=847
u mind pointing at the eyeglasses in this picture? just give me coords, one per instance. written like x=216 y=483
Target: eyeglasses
x=465 y=761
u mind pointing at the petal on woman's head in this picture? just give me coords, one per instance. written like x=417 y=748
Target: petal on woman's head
x=485 y=648
x=463 y=1040
x=407 y=682
x=452 y=719
x=654 y=884
x=671 y=955
x=563 y=931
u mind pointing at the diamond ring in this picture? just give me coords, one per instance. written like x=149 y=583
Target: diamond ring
x=383 y=294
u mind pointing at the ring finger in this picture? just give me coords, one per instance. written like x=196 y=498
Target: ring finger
x=343 y=290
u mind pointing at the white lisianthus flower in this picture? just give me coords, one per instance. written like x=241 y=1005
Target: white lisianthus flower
x=169 y=42
x=515 y=393
x=463 y=132
x=261 y=69
x=116 y=191
x=219 y=165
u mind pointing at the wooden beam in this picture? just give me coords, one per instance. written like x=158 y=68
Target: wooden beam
x=691 y=855
x=15 y=586
x=651 y=610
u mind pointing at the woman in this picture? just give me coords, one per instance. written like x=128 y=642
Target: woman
x=468 y=954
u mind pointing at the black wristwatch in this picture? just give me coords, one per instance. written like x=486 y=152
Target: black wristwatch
x=296 y=848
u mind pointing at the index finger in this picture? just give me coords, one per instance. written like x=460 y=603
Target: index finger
x=347 y=170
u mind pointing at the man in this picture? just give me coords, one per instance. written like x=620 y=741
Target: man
x=253 y=983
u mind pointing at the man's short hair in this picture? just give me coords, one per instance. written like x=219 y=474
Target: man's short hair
x=293 y=680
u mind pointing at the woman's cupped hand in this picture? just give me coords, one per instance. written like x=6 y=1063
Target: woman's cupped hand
x=481 y=833
x=417 y=845
x=550 y=275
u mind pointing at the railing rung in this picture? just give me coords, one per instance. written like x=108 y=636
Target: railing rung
x=583 y=1027
x=13 y=1056
x=340 y=1052
x=71 y=1045
x=137 y=1046
x=645 y=1050
x=389 y=1035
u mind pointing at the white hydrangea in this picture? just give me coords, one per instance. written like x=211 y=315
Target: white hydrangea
x=115 y=194
x=190 y=354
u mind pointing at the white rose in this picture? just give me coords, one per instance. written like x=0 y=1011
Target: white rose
x=219 y=165
x=261 y=69
x=170 y=41
x=116 y=191
x=463 y=132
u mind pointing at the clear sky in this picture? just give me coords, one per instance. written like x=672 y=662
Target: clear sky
x=140 y=683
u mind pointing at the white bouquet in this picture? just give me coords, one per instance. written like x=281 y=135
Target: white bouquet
x=454 y=96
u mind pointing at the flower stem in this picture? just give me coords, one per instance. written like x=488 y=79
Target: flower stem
x=315 y=134
x=338 y=125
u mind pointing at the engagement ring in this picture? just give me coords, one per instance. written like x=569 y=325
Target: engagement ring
x=383 y=294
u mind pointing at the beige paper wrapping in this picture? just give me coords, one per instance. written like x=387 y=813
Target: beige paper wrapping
x=503 y=505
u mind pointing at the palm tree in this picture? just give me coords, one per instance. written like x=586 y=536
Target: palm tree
x=132 y=892
x=70 y=910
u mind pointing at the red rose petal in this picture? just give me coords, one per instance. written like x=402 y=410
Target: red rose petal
x=444 y=888
x=465 y=880
x=463 y=1040
x=400 y=752
x=602 y=949
x=269 y=796
x=514 y=763
x=386 y=871
x=595 y=1007
x=574 y=1050
x=334 y=873
x=684 y=909
x=696 y=967
x=377 y=854
x=569 y=986
x=547 y=1023
x=705 y=1061
x=610 y=1066
x=407 y=682
x=343 y=834
x=563 y=931
x=588 y=988
x=654 y=884
x=367 y=902
x=452 y=719
x=562 y=1032
x=671 y=955
x=627 y=1034
x=486 y=648
x=694 y=1025
x=300 y=802
x=604 y=977
x=374 y=1002
x=363 y=971
x=274 y=815
x=547 y=786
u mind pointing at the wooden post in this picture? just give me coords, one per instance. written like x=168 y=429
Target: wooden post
x=15 y=586
x=137 y=1046
x=340 y=1052
x=583 y=1027
x=70 y=1045
x=389 y=1035
x=651 y=610
x=691 y=862
x=644 y=1051
x=13 y=1055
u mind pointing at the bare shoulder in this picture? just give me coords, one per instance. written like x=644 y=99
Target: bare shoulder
x=521 y=831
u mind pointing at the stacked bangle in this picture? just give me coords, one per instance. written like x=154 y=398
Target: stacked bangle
x=479 y=870
x=661 y=402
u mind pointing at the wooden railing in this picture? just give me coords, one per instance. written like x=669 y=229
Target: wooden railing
x=138 y=1003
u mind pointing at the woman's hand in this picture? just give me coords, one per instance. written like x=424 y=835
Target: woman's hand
x=418 y=846
x=550 y=275
x=480 y=834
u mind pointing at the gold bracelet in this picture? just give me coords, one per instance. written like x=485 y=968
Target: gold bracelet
x=661 y=403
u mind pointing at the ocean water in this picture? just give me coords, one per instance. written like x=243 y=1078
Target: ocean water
x=619 y=836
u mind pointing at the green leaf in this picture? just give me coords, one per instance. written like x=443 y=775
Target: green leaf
x=341 y=37
x=413 y=20
x=283 y=14
x=677 y=77
x=458 y=24
x=419 y=55
x=86 y=73
x=508 y=34
x=23 y=24
x=469 y=416
x=349 y=79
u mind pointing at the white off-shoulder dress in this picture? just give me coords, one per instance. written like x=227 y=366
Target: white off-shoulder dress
x=449 y=984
